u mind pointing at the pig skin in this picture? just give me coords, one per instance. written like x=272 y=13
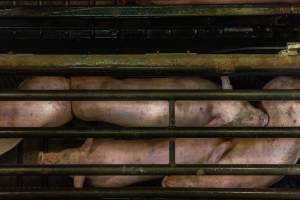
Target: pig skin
x=254 y=151
x=109 y=151
x=146 y=151
x=156 y=113
x=34 y=113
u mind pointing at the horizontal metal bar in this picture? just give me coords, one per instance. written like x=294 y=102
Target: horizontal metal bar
x=154 y=11
x=151 y=170
x=199 y=132
x=150 y=63
x=253 y=95
x=174 y=193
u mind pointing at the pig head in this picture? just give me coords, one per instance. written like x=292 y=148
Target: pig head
x=68 y=156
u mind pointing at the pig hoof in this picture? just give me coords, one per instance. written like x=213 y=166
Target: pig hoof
x=168 y=182
x=48 y=158
x=40 y=158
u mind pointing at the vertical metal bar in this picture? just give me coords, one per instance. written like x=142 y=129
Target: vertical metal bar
x=93 y=34
x=172 y=153
x=20 y=162
x=45 y=179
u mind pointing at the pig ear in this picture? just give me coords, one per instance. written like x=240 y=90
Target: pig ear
x=226 y=85
x=78 y=181
x=216 y=122
x=87 y=145
x=220 y=151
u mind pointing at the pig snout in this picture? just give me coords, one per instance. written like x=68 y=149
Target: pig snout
x=258 y=119
x=251 y=116
x=68 y=156
x=48 y=158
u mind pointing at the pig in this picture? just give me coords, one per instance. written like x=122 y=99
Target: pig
x=35 y=113
x=109 y=151
x=254 y=151
x=147 y=151
x=156 y=113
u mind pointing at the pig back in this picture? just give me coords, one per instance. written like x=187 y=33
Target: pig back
x=141 y=113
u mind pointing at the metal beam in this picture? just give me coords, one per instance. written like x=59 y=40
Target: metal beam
x=174 y=193
x=135 y=95
x=157 y=169
x=150 y=63
x=200 y=132
x=153 y=11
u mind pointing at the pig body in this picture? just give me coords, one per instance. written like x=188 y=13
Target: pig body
x=156 y=113
x=34 y=113
x=135 y=113
x=254 y=151
x=109 y=151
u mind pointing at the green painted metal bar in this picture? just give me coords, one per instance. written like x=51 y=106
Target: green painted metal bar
x=154 y=11
x=174 y=193
x=151 y=170
x=93 y=95
x=149 y=63
x=172 y=124
x=200 y=132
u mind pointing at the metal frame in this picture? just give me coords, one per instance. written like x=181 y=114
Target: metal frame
x=287 y=61
x=134 y=133
x=154 y=169
x=159 y=63
x=154 y=11
x=148 y=193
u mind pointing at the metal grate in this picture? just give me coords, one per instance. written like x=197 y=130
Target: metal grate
x=126 y=64
x=93 y=20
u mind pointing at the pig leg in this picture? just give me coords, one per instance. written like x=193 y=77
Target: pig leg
x=78 y=181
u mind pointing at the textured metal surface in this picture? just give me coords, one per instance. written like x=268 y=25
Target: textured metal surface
x=153 y=11
x=253 y=95
x=150 y=63
x=176 y=193
x=152 y=170
x=134 y=133
x=172 y=141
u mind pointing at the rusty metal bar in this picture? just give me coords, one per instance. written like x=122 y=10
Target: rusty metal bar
x=93 y=95
x=155 y=169
x=200 y=132
x=153 y=11
x=150 y=63
x=174 y=193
